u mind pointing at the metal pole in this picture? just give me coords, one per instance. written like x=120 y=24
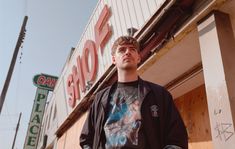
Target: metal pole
x=17 y=128
x=13 y=61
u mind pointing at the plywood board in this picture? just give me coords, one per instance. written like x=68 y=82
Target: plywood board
x=194 y=111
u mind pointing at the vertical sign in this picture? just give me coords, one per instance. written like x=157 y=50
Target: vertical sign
x=36 y=119
x=45 y=83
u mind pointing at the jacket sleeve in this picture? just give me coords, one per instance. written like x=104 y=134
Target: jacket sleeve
x=87 y=134
x=175 y=130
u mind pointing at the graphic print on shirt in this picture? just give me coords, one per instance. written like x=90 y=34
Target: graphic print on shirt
x=124 y=119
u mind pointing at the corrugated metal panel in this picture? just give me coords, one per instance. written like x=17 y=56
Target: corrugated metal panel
x=145 y=9
x=61 y=103
x=132 y=14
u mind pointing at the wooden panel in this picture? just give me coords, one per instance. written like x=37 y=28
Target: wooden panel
x=79 y=125
x=194 y=111
x=61 y=142
x=70 y=140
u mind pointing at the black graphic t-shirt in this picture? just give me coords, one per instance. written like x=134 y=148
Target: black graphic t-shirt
x=123 y=125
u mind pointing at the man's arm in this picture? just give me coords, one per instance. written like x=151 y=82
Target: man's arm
x=176 y=134
x=87 y=134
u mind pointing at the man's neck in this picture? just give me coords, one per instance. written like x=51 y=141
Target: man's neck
x=127 y=76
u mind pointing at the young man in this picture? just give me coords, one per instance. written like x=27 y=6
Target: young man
x=132 y=113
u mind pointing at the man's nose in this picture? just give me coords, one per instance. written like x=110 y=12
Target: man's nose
x=128 y=51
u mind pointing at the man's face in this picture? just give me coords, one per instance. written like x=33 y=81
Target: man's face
x=126 y=57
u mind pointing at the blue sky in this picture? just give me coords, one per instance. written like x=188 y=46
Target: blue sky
x=54 y=26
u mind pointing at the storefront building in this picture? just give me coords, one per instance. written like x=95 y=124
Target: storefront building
x=187 y=46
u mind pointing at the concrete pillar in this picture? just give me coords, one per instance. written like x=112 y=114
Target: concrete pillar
x=217 y=47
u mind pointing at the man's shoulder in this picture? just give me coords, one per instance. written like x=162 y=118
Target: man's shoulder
x=106 y=89
x=99 y=96
x=160 y=91
x=156 y=87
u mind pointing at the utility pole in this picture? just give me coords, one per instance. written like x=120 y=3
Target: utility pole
x=17 y=128
x=13 y=61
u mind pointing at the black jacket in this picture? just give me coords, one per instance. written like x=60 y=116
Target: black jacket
x=162 y=123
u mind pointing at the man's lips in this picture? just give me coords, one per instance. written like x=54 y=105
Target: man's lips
x=127 y=58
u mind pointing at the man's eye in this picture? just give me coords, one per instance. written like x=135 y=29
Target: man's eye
x=133 y=49
x=121 y=50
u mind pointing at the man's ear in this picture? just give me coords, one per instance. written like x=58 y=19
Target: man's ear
x=113 y=60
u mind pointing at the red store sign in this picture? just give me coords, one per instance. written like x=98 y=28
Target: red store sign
x=81 y=73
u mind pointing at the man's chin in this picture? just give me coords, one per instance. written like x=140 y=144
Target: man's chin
x=129 y=67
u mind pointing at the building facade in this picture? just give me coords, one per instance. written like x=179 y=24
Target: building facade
x=187 y=46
